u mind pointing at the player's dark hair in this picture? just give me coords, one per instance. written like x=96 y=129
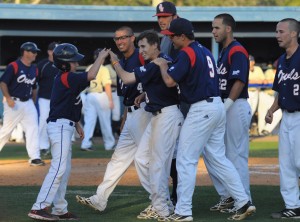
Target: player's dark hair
x=227 y=20
x=151 y=36
x=190 y=36
x=127 y=29
x=293 y=25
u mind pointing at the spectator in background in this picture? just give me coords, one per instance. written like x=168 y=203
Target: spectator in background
x=98 y=103
x=45 y=80
x=256 y=76
x=266 y=99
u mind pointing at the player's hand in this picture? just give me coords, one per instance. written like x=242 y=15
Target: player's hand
x=111 y=105
x=104 y=53
x=79 y=130
x=269 y=117
x=160 y=61
x=139 y=99
x=10 y=102
x=113 y=57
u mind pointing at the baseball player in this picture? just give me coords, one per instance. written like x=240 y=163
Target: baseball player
x=18 y=85
x=165 y=13
x=195 y=74
x=136 y=120
x=287 y=86
x=45 y=81
x=65 y=111
x=233 y=70
x=98 y=103
x=161 y=134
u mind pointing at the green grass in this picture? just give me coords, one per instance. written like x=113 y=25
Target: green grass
x=263 y=149
x=126 y=202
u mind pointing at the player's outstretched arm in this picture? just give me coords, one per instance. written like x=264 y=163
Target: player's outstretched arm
x=96 y=66
x=127 y=77
x=163 y=65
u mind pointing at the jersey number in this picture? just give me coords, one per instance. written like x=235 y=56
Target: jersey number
x=222 y=84
x=296 y=89
x=210 y=66
x=140 y=87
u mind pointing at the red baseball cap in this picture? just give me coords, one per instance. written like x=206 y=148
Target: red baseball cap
x=165 y=9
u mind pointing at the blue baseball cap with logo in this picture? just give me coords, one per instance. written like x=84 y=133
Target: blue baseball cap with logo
x=179 y=26
x=165 y=9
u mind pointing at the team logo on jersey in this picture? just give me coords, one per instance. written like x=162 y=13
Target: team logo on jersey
x=221 y=70
x=161 y=8
x=171 y=68
x=142 y=69
x=78 y=98
x=288 y=76
x=236 y=72
x=24 y=79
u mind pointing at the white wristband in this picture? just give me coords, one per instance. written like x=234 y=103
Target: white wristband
x=228 y=103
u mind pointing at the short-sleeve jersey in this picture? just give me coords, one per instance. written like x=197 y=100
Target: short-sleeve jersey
x=65 y=99
x=20 y=79
x=130 y=92
x=287 y=81
x=47 y=72
x=102 y=79
x=158 y=95
x=195 y=72
x=233 y=64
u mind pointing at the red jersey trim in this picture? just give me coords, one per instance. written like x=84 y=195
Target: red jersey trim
x=15 y=67
x=142 y=61
x=64 y=79
x=235 y=49
x=191 y=54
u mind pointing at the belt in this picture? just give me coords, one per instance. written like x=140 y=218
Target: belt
x=19 y=99
x=155 y=113
x=71 y=123
x=209 y=100
x=292 y=111
x=132 y=108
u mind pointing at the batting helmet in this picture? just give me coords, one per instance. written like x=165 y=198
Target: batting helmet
x=29 y=46
x=65 y=53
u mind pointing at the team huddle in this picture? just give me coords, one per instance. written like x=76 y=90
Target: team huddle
x=179 y=104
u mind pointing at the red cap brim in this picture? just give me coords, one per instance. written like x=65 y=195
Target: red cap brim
x=163 y=14
x=167 y=32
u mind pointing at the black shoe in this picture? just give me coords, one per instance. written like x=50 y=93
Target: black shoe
x=37 y=162
x=247 y=210
x=226 y=203
x=87 y=149
x=287 y=213
x=45 y=152
x=67 y=216
x=42 y=215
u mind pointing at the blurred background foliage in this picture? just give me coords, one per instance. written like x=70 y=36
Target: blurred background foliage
x=150 y=2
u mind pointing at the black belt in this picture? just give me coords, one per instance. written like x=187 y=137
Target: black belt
x=209 y=100
x=20 y=99
x=132 y=108
x=155 y=113
x=293 y=111
x=54 y=121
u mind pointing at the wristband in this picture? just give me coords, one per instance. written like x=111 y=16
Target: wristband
x=115 y=62
x=228 y=103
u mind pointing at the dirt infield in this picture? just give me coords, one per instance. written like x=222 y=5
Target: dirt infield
x=90 y=172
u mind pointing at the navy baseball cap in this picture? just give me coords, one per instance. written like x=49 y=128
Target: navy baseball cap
x=251 y=58
x=179 y=26
x=165 y=9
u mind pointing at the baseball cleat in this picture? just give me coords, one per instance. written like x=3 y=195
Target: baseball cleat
x=42 y=215
x=148 y=214
x=287 y=213
x=177 y=217
x=37 y=162
x=88 y=202
x=247 y=210
x=222 y=204
x=67 y=216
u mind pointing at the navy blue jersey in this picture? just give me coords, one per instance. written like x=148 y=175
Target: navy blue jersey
x=45 y=80
x=65 y=99
x=130 y=92
x=20 y=79
x=196 y=74
x=158 y=95
x=233 y=64
x=287 y=81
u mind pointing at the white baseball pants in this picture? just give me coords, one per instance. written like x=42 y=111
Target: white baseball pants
x=44 y=106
